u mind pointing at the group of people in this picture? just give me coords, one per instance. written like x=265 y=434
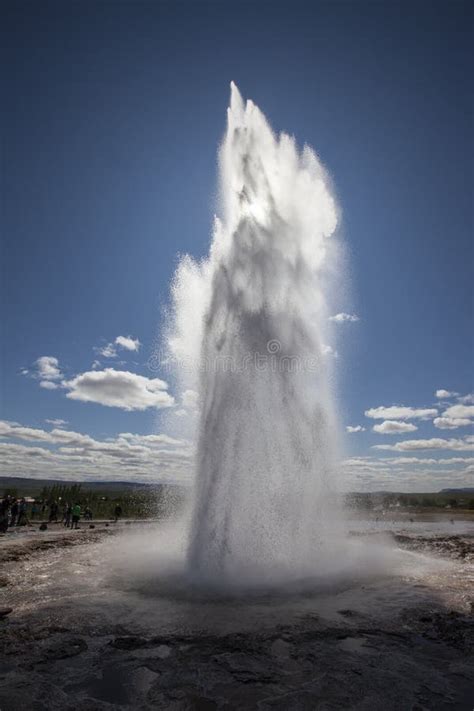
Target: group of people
x=15 y=512
x=72 y=515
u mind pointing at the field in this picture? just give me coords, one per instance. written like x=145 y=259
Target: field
x=109 y=619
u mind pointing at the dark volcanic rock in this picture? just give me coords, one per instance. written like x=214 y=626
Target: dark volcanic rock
x=392 y=645
x=128 y=643
x=64 y=648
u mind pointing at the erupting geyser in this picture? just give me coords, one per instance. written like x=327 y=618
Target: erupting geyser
x=249 y=334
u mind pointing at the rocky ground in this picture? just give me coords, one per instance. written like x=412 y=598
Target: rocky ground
x=403 y=644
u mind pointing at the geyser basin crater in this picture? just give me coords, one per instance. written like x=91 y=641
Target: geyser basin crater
x=156 y=566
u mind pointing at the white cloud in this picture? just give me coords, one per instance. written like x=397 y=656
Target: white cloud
x=108 y=351
x=444 y=394
x=156 y=457
x=451 y=423
x=399 y=412
x=150 y=439
x=30 y=434
x=127 y=342
x=467 y=399
x=96 y=364
x=119 y=388
x=459 y=411
x=394 y=427
x=454 y=417
x=72 y=438
x=416 y=474
x=427 y=460
x=340 y=318
x=77 y=456
x=466 y=444
x=355 y=428
x=57 y=422
x=48 y=368
x=329 y=351
x=48 y=385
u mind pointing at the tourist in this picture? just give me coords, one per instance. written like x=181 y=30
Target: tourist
x=4 y=512
x=22 y=518
x=67 y=518
x=13 y=512
x=53 y=512
x=118 y=512
x=76 y=515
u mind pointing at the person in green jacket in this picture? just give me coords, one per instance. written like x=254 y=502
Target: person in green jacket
x=76 y=515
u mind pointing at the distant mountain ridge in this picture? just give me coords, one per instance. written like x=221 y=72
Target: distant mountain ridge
x=34 y=486
x=464 y=490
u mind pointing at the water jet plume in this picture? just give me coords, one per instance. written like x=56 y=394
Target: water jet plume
x=253 y=319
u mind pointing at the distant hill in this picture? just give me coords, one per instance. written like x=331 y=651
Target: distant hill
x=465 y=490
x=32 y=487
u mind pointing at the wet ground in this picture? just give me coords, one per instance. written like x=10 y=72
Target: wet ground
x=94 y=626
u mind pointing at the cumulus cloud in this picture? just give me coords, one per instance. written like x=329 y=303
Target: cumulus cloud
x=467 y=399
x=47 y=369
x=340 y=318
x=466 y=444
x=454 y=417
x=49 y=385
x=73 y=455
x=402 y=473
x=355 y=428
x=128 y=343
x=428 y=460
x=444 y=394
x=399 y=412
x=459 y=411
x=150 y=439
x=30 y=434
x=451 y=423
x=156 y=457
x=119 y=388
x=394 y=427
x=108 y=351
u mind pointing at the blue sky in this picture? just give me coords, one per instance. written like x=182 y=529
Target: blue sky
x=113 y=113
